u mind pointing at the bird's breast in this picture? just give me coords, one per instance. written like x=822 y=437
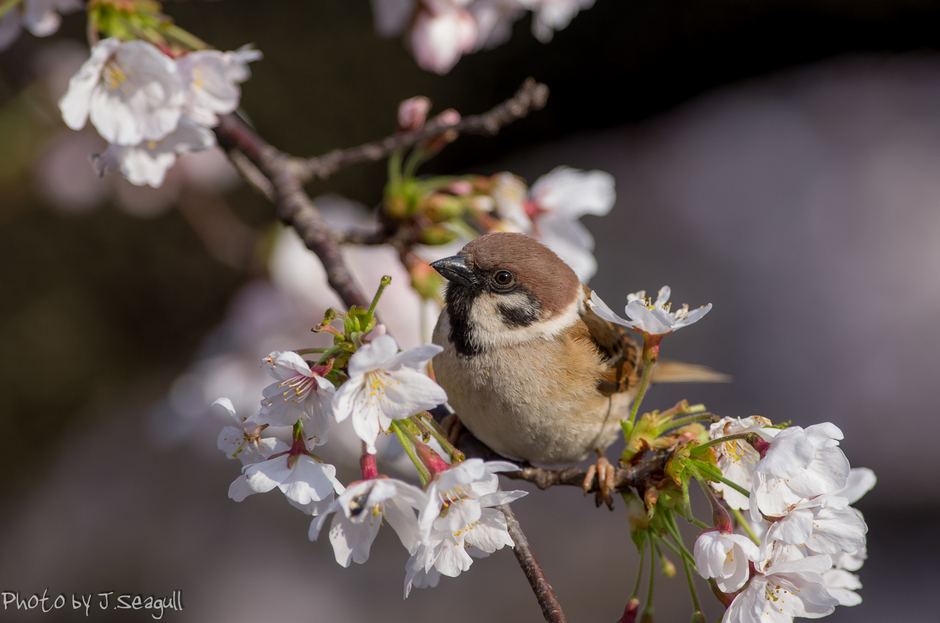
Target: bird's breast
x=533 y=399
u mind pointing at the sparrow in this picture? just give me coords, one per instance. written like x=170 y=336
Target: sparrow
x=527 y=365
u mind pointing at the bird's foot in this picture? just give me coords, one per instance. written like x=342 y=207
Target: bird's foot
x=605 y=481
x=452 y=427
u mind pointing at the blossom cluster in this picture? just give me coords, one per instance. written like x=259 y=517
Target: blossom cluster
x=442 y=526
x=800 y=488
x=151 y=107
x=439 y=32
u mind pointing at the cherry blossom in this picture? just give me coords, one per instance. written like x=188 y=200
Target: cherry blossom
x=784 y=588
x=652 y=319
x=307 y=482
x=360 y=511
x=725 y=557
x=300 y=394
x=147 y=163
x=384 y=385
x=130 y=90
x=826 y=524
x=798 y=464
x=243 y=441
x=441 y=33
x=736 y=458
x=458 y=521
x=211 y=80
x=552 y=15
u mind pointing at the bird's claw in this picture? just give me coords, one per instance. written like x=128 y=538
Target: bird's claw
x=605 y=481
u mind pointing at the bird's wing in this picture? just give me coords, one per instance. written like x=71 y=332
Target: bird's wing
x=619 y=353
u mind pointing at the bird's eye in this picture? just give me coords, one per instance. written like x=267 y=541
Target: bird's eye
x=503 y=278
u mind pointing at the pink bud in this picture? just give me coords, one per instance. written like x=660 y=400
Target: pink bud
x=462 y=187
x=448 y=117
x=412 y=113
x=377 y=332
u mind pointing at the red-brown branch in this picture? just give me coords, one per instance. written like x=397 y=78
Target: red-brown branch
x=530 y=96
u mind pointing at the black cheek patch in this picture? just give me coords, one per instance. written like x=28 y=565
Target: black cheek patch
x=459 y=300
x=518 y=317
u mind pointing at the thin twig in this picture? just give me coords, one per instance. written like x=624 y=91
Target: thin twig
x=551 y=609
x=531 y=96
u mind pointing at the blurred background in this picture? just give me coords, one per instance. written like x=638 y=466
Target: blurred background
x=779 y=159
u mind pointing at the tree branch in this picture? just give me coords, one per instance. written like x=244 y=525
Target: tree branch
x=294 y=206
x=636 y=476
x=531 y=96
x=551 y=609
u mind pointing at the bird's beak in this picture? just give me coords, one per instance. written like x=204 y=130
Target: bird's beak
x=455 y=269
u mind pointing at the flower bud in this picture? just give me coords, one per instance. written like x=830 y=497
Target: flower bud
x=669 y=569
x=440 y=207
x=412 y=113
x=630 y=611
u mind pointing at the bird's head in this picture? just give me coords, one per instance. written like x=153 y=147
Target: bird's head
x=505 y=289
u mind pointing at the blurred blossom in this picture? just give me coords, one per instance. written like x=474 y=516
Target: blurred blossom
x=66 y=180
x=441 y=35
x=552 y=15
x=494 y=21
x=40 y=17
x=130 y=90
x=211 y=80
x=63 y=177
x=151 y=108
x=439 y=32
x=56 y=62
x=149 y=161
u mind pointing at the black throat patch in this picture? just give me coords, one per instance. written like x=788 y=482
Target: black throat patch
x=459 y=300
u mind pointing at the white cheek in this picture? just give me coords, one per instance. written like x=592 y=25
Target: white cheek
x=490 y=330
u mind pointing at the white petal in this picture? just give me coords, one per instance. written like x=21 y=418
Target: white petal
x=373 y=356
x=860 y=481
x=573 y=193
x=239 y=489
x=309 y=481
x=77 y=99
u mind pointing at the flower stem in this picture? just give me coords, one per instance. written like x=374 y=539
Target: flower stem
x=367 y=464
x=185 y=37
x=407 y=442
x=713 y=473
x=675 y=550
x=700 y=449
x=690 y=419
x=688 y=575
x=415 y=158
x=673 y=530
x=639 y=573
x=308 y=351
x=375 y=301
x=432 y=427
x=649 y=360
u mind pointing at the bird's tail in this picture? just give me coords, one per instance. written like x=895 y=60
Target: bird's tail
x=677 y=372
